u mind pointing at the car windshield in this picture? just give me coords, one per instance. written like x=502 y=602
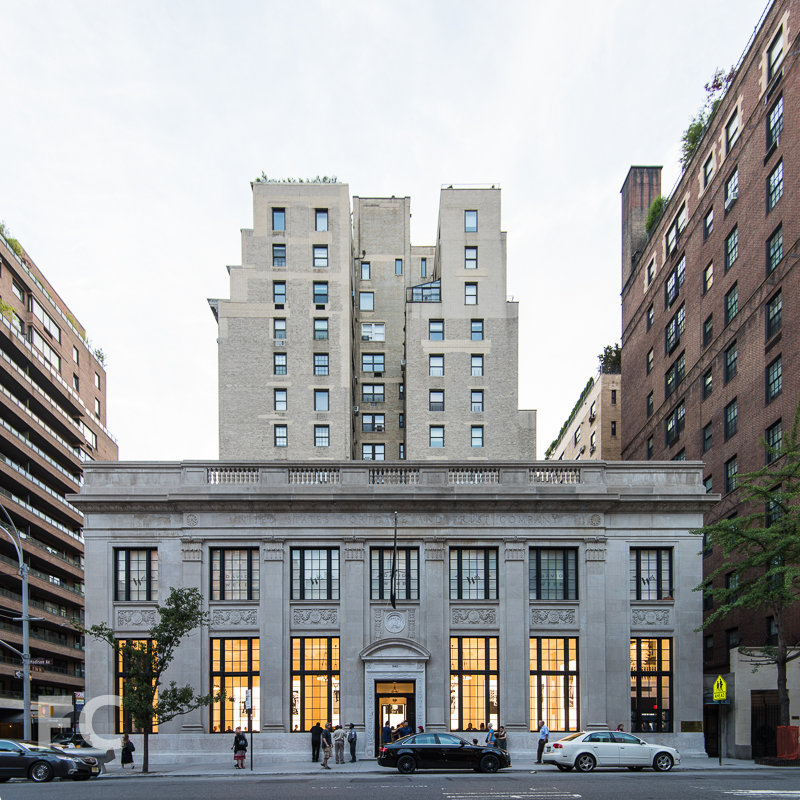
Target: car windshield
x=448 y=738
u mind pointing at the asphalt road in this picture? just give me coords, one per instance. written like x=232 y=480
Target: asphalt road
x=544 y=785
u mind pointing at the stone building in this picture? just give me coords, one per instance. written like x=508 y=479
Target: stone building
x=524 y=590
x=709 y=368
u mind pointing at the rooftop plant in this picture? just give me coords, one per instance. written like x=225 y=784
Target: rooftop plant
x=654 y=214
x=324 y=179
x=715 y=90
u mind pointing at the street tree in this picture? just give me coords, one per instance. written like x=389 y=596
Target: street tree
x=145 y=699
x=761 y=554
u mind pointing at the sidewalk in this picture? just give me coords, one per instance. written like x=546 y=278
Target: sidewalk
x=225 y=768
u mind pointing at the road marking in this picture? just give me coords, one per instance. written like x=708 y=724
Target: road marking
x=759 y=792
x=510 y=794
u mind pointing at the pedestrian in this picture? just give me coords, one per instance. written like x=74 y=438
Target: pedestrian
x=404 y=730
x=327 y=745
x=386 y=733
x=126 y=756
x=500 y=739
x=239 y=748
x=620 y=727
x=421 y=729
x=490 y=735
x=544 y=738
x=339 y=738
x=352 y=738
x=316 y=736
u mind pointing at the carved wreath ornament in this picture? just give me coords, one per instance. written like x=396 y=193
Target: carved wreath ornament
x=315 y=616
x=136 y=619
x=553 y=616
x=649 y=616
x=234 y=617
x=474 y=616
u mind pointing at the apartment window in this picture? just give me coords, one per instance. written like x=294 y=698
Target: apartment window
x=731 y=190
x=280 y=397
x=680 y=455
x=773 y=513
x=322 y=436
x=279 y=219
x=650 y=405
x=321 y=400
x=44 y=348
x=774 y=250
x=707 y=437
x=476 y=400
x=675 y=279
x=234 y=574
x=774 y=314
x=76 y=382
x=708 y=384
x=731 y=472
x=477 y=330
x=401 y=421
x=649 y=364
x=775 y=55
x=48 y=323
x=554 y=683
x=436 y=436
x=675 y=229
x=321 y=363
x=137 y=575
x=373 y=452
x=373 y=362
x=675 y=423
x=398 y=266
x=732 y=131
x=731 y=362
x=423 y=267
x=675 y=375
x=708 y=170
x=731 y=248
x=18 y=291
x=613 y=428
x=402 y=566
x=709 y=484
x=279 y=292
x=471 y=221
x=320 y=255
x=651 y=685
x=593 y=411
x=315 y=682
x=731 y=419
x=436 y=400
x=553 y=574
x=772 y=632
x=477 y=366
x=775 y=185
x=373 y=423
x=775 y=123
x=401 y=390
x=322 y=219
x=774 y=376
x=281 y=436
x=436 y=365
x=708 y=330
x=650 y=573
x=365 y=271
x=315 y=573
x=401 y=451
x=731 y=304
x=649 y=448
x=235 y=669
x=366 y=301
x=708 y=277
x=577 y=436
x=279 y=328
x=474 y=685
x=708 y=223
x=279 y=255
x=320 y=293
x=373 y=331
x=473 y=573
x=613 y=397
x=651 y=271
x=471 y=258
x=732 y=638
x=732 y=585
x=373 y=392
x=774 y=440
x=674 y=330
x=471 y=294
x=650 y=317
x=279 y=363
x=320 y=329
x=477 y=436
x=436 y=330
x=75 y=356
x=708 y=648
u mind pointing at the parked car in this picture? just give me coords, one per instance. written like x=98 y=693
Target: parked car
x=585 y=751
x=441 y=751
x=42 y=764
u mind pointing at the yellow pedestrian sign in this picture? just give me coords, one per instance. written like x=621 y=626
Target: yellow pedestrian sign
x=720 y=689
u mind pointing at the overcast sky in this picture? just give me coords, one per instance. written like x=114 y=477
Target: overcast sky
x=130 y=132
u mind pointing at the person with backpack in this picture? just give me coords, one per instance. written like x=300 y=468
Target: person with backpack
x=239 y=748
x=352 y=738
x=126 y=757
x=490 y=735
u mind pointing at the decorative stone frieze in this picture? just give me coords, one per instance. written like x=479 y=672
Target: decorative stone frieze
x=412 y=623
x=191 y=520
x=596 y=520
x=315 y=618
x=273 y=551
x=650 y=616
x=242 y=617
x=515 y=552
x=394 y=622
x=474 y=616
x=434 y=551
x=353 y=551
x=553 y=616
x=596 y=549
x=191 y=549
x=136 y=618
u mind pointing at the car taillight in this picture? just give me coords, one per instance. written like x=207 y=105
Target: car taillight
x=558 y=746
x=383 y=751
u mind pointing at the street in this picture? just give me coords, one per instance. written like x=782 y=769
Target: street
x=544 y=785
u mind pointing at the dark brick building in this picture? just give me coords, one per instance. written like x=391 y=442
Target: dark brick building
x=709 y=301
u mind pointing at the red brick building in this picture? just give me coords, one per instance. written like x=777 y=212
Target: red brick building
x=710 y=353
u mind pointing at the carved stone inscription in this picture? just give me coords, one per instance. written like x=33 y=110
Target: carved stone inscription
x=474 y=616
x=552 y=616
x=650 y=616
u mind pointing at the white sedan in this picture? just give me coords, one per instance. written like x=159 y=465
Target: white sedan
x=585 y=751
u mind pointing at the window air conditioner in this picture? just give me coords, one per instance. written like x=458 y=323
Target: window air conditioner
x=592 y=418
x=729 y=200
x=379 y=428
x=592 y=449
x=378 y=374
x=280 y=343
x=583 y=448
x=366 y=338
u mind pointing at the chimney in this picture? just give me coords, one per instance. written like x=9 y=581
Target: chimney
x=641 y=187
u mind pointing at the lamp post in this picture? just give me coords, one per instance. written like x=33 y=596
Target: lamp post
x=16 y=540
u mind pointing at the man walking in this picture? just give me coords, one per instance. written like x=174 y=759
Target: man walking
x=327 y=745
x=352 y=738
x=339 y=738
x=386 y=733
x=316 y=735
x=544 y=734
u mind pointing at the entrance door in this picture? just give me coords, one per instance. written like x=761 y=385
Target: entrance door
x=394 y=702
x=764 y=713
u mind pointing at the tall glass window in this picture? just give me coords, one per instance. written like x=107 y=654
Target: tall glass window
x=315 y=682
x=123 y=718
x=137 y=575
x=473 y=573
x=650 y=573
x=651 y=685
x=234 y=574
x=474 y=683
x=315 y=574
x=235 y=669
x=553 y=574
x=554 y=683
x=407 y=572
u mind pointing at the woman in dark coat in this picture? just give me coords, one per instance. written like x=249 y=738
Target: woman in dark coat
x=126 y=757
x=239 y=748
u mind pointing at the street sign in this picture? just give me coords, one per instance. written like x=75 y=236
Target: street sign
x=720 y=689
x=248 y=700
x=40 y=662
x=18 y=673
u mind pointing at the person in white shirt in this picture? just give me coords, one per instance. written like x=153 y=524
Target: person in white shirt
x=544 y=733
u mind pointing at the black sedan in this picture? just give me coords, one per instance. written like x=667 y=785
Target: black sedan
x=441 y=751
x=42 y=764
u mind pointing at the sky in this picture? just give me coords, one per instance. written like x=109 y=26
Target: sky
x=130 y=132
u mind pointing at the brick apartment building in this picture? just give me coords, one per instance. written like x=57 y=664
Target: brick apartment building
x=710 y=357
x=52 y=421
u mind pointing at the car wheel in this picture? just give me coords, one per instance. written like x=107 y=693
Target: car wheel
x=490 y=764
x=406 y=765
x=585 y=762
x=635 y=769
x=41 y=772
x=662 y=762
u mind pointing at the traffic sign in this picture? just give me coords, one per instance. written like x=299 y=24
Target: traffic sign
x=248 y=700
x=40 y=662
x=18 y=673
x=720 y=689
